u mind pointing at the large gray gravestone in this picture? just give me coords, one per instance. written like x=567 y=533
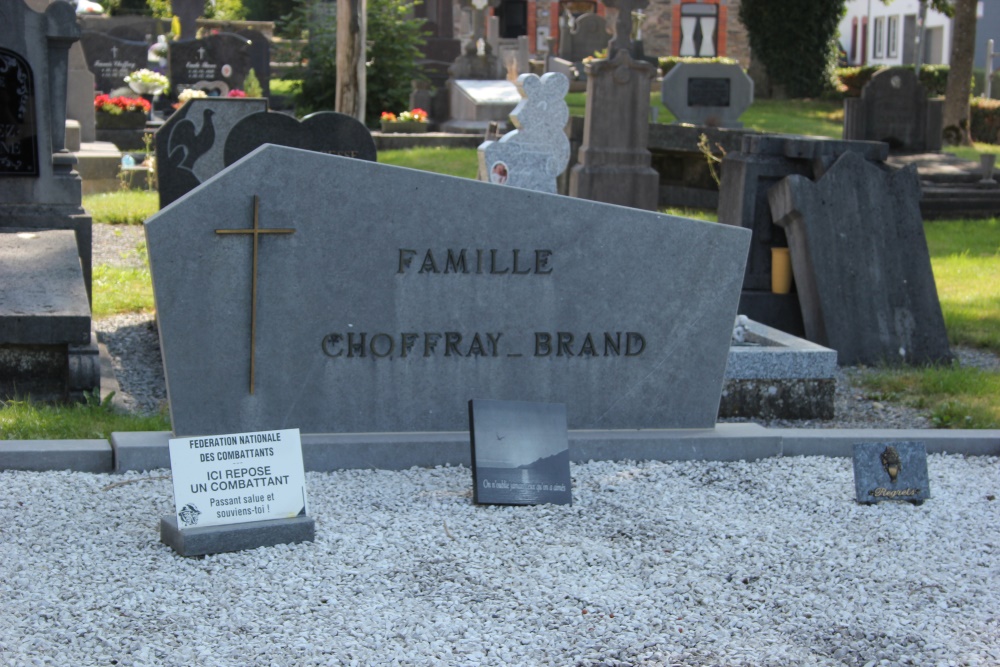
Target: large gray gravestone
x=713 y=94
x=45 y=235
x=861 y=263
x=894 y=108
x=381 y=299
x=533 y=155
x=190 y=145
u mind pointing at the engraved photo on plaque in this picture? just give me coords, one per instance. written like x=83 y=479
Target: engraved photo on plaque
x=18 y=135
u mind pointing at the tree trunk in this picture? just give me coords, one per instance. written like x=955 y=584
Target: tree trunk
x=959 y=89
x=351 y=35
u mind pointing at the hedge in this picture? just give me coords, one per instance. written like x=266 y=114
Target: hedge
x=667 y=62
x=853 y=79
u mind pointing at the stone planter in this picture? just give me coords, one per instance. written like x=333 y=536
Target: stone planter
x=130 y=120
x=404 y=127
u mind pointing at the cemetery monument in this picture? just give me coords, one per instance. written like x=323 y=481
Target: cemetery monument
x=712 y=94
x=894 y=108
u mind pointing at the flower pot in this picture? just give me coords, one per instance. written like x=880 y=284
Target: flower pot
x=403 y=127
x=129 y=120
x=781 y=271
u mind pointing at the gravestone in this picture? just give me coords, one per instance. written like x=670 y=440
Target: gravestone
x=747 y=176
x=533 y=155
x=712 y=94
x=45 y=235
x=323 y=132
x=190 y=145
x=280 y=301
x=111 y=59
x=890 y=471
x=187 y=13
x=475 y=104
x=614 y=161
x=894 y=108
x=520 y=453
x=585 y=35
x=216 y=64
x=260 y=58
x=861 y=263
x=80 y=94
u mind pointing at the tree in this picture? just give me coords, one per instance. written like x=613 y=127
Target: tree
x=959 y=87
x=794 y=41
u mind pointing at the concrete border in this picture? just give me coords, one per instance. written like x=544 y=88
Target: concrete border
x=43 y=455
x=148 y=450
x=201 y=541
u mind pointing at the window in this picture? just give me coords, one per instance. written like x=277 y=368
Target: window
x=892 y=40
x=878 y=37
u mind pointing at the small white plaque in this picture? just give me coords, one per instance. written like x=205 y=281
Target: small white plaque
x=236 y=478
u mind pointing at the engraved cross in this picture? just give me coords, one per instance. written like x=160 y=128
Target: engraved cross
x=256 y=231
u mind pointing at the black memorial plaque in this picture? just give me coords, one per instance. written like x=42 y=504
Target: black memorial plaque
x=215 y=64
x=18 y=134
x=110 y=59
x=520 y=453
x=324 y=132
x=708 y=92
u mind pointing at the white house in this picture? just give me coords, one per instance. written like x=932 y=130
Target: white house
x=875 y=33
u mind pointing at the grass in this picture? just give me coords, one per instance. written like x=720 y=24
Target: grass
x=125 y=207
x=121 y=290
x=953 y=396
x=461 y=162
x=27 y=420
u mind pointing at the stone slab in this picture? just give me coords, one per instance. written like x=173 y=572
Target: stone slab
x=323 y=132
x=489 y=92
x=712 y=94
x=191 y=542
x=44 y=296
x=840 y=442
x=567 y=318
x=41 y=455
x=890 y=471
x=190 y=145
x=861 y=264
x=141 y=450
x=779 y=355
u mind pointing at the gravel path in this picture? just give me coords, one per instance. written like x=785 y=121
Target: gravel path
x=769 y=563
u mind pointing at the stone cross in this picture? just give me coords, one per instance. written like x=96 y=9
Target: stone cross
x=622 y=38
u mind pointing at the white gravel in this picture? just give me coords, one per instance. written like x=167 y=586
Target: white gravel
x=764 y=563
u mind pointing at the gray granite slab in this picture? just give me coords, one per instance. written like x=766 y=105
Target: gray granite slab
x=192 y=542
x=712 y=94
x=861 y=263
x=536 y=153
x=397 y=295
x=43 y=300
x=39 y=455
x=190 y=145
x=890 y=471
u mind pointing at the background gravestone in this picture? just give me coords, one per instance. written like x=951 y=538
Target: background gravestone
x=894 y=108
x=861 y=263
x=190 y=145
x=533 y=155
x=45 y=235
x=324 y=132
x=80 y=94
x=260 y=58
x=216 y=64
x=747 y=176
x=713 y=94
x=386 y=297
x=111 y=59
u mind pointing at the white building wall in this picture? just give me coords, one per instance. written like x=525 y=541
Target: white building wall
x=891 y=29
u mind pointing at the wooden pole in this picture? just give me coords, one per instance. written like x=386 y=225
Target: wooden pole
x=351 y=36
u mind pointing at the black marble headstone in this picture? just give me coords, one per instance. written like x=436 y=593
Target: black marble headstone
x=18 y=135
x=324 y=132
x=260 y=58
x=215 y=64
x=111 y=59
